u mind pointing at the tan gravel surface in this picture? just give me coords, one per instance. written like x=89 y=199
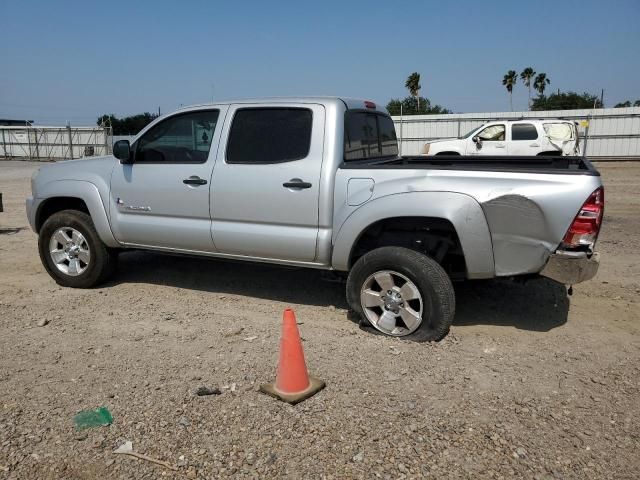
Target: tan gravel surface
x=530 y=383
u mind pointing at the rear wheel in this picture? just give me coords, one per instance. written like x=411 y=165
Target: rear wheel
x=72 y=252
x=402 y=293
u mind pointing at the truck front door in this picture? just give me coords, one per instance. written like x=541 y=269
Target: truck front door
x=491 y=140
x=162 y=199
x=266 y=183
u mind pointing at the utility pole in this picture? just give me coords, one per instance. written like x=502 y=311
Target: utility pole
x=602 y=98
x=401 y=124
x=70 y=140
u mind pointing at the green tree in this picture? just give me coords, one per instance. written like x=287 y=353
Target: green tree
x=130 y=125
x=627 y=104
x=527 y=75
x=415 y=106
x=509 y=80
x=413 y=85
x=541 y=82
x=566 y=101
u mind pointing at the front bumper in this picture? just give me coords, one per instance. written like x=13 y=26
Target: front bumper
x=571 y=267
x=30 y=212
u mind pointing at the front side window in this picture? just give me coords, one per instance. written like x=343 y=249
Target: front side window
x=369 y=135
x=493 y=133
x=523 y=131
x=182 y=138
x=270 y=135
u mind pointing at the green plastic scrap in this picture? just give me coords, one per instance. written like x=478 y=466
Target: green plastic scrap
x=93 y=418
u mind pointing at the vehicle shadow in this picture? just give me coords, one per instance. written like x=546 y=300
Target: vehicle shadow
x=10 y=230
x=538 y=305
x=270 y=282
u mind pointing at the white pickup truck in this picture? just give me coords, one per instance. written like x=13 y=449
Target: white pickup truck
x=512 y=137
x=318 y=183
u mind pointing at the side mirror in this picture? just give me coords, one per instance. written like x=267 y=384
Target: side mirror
x=122 y=151
x=475 y=139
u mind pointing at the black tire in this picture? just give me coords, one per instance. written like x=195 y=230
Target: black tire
x=432 y=281
x=449 y=154
x=102 y=262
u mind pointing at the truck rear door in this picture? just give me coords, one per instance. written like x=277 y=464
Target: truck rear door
x=525 y=139
x=264 y=197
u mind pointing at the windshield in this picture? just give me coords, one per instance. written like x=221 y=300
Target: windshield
x=469 y=134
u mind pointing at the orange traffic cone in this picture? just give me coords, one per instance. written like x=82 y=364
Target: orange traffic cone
x=293 y=383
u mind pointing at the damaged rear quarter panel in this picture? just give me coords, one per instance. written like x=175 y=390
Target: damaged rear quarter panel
x=529 y=219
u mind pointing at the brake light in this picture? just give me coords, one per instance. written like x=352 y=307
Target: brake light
x=369 y=104
x=586 y=226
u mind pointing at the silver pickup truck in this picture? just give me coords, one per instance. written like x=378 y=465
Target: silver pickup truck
x=318 y=183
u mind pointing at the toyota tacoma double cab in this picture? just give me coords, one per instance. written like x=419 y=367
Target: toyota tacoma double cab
x=318 y=183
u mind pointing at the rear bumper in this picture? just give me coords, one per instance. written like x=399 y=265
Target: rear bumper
x=571 y=267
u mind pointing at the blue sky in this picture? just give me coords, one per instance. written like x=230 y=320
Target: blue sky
x=73 y=61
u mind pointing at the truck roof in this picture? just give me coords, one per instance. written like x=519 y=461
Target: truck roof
x=350 y=103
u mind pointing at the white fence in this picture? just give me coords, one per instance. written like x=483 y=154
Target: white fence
x=608 y=133
x=51 y=143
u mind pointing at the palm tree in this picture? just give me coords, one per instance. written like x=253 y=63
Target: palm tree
x=509 y=80
x=541 y=82
x=526 y=76
x=413 y=85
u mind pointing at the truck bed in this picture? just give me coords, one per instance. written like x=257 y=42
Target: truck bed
x=538 y=164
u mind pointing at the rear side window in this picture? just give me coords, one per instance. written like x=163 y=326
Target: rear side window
x=369 y=135
x=269 y=135
x=523 y=131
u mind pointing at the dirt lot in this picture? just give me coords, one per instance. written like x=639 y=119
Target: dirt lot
x=530 y=383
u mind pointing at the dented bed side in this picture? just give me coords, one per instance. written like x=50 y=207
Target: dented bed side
x=527 y=214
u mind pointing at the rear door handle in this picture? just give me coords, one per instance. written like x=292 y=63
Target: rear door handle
x=194 y=180
x=296 y=183
x=534 y=145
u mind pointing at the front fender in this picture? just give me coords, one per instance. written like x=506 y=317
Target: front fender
x=453 y=146
x=464 y=213
x=85 y=191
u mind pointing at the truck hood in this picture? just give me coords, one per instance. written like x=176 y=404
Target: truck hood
x=443 y=140
x=96 y=170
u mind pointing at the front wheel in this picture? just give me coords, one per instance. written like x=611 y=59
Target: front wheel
x=402 y=293
x=72 y=252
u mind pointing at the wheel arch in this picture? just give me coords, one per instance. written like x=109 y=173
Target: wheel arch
x=456 y=213
x=75 y=195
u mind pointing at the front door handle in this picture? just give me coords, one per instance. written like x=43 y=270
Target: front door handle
x=500 y=146
x=194 y=180
x=296 y=183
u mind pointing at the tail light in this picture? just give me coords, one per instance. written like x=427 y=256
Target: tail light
x=586 y=226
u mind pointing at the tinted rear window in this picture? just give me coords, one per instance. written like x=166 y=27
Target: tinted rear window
x=523 y=131
x=369 y=135
x=269 y=135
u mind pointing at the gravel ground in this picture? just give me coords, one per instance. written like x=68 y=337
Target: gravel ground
x=531 y=383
